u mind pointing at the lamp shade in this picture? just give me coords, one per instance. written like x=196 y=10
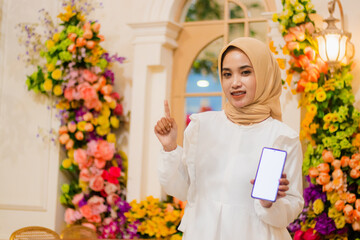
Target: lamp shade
x=332 y=46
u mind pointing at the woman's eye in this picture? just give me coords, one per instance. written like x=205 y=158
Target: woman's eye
x=246 y=72
x=226 y=74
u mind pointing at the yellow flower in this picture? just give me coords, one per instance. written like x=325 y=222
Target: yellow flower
x=57 y=90
x=313 y=128
x=309 y=6
x=340 y=222
x=83 y=185
x=114 y=122
x=333 y=128
x=318 y=206
x=70 y=153
x=94 y=121
x=56 y=37
x=328 y=117
x=326 y=126
x=66 y=163
x=272 y=47
x=275 y=17
x=56 y=74
x=102 y=131
x=63 y=105
x=312 y=109
x=80 y=17
x=67 y=15
x=105 y=111
x=112 y=104
x=333 y=213
x=103 y=120
x=111 y=138
x=314 y=86
x=81 y=125
x=320 y=95
x=50 y=67
x=48 y=85
x=299 y=8
x=298 y=18
x=50 y=44
x=281 y=62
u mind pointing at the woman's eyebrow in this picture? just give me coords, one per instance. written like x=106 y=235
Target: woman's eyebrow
x=242 y=67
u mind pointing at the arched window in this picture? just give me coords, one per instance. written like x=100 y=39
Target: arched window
x=207 y=26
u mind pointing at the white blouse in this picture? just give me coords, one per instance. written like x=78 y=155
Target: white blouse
x=213 y=171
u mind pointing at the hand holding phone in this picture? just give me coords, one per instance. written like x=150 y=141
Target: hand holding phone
x=271 y=165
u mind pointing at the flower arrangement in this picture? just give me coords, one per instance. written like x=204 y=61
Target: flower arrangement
x=330 y=129
x=74 y=68
x=154 y=218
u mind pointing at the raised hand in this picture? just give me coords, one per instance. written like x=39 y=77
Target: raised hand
x=283 y=187
x=166 y=130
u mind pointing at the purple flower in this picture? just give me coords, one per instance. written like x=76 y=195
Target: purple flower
x=313 y=192
x=324 y=225
x=295 y=226
x=82 y=202
x=109 y=74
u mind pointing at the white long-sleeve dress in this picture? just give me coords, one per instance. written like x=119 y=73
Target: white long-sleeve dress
x=213 y=170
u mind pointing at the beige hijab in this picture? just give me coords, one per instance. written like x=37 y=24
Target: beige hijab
x=268 y=83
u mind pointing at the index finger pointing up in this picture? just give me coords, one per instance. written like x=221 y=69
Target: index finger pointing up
x=167 y=109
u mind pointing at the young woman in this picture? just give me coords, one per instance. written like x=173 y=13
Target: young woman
x=216 y=166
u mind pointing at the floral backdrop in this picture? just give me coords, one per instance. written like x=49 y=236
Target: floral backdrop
x=73 y=68
x=329 y=130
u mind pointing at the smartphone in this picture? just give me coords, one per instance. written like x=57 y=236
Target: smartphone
x=271 y=166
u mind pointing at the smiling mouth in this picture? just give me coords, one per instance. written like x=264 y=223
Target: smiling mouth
x=236 y=94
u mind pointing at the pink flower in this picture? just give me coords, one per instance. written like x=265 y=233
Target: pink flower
x=69 y=216
x=309 y=27
x=91 y=147
x=84 y=175
x=80 y=156
x=100 y=163
x=115 y=171
x=89 y=76
x=107 y=221
x=97 y=183
x=289 y=37
x=77 y=198
x=104 y=150
x=89 y=225
x=86 y=211
x=111 y=199
x=310 y=235
x=97 y=205
x=298 y=32
x=118 y=109
x=69 y=93
x=94 y=218
x=111 y=188
x=95 y=200
x=115 y=95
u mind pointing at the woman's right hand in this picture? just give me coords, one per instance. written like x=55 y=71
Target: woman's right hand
x=166 y=130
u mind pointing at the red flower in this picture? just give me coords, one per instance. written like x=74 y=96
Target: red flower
x=118 y=109
x=311 y=235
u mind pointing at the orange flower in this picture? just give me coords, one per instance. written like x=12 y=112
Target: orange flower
x=354 y=163
x=289 y=37
x=79 y=135
x=90 y=44
x=348 y=209
x=87 y=34
x=327 y=156
x=357 y=204
x=336 y=164
x=323 y=178
x=96 y=27
x=351 y=198
x=69 y=144
x=323 y=167
x=64 y=138
x=63 y=129
x=304 y=61
x=313 y=172
x=80 y=42
x=329 y=187
x=354 y=173
x=338 y=173
x=292 y=46
x=310 y=53
x=89 y=127
x=72 y=48
x=345 y=161
x=72 y=36
x=72 y=127
x=339 y=205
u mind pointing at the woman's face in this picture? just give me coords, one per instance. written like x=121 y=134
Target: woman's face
x=238 y=78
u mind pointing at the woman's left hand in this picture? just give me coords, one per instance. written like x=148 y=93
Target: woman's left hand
x=283 y=187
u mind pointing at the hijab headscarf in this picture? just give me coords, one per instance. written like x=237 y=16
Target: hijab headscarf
x=268 y=83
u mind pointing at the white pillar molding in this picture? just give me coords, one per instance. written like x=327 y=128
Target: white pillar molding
x=154 y=43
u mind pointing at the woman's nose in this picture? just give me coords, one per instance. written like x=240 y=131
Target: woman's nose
x=236 y=82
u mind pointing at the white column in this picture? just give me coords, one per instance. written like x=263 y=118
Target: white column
x=152 y=68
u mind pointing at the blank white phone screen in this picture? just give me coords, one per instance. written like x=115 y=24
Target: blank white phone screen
x=269 y=172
